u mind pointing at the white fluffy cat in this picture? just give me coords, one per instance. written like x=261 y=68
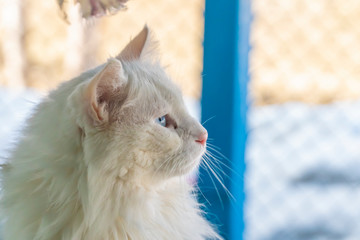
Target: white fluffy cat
x=105 y=157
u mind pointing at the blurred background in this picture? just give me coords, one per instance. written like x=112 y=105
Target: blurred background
x=279 y=86
x=303 y=151
x=39 y=48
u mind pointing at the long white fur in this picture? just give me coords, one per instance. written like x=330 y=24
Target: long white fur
x=94 y=165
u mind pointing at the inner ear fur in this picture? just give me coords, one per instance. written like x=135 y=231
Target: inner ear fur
x=103 y=88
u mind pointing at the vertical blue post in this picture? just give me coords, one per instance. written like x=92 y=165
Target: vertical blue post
x=240 y=105
x=225 y=77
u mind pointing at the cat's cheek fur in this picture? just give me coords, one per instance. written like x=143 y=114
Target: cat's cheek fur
x=160 y=146
x=181 y=161
x=172 y=152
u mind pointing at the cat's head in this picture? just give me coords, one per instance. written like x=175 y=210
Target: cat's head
x=133 y=118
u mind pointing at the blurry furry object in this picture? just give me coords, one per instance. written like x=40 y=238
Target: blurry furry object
x=106 y=157
x=97 y=8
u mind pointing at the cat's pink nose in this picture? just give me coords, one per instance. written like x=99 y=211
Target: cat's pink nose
x=202 y=138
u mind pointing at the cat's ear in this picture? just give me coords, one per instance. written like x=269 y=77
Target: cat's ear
x=143 y=47
x=109 y=83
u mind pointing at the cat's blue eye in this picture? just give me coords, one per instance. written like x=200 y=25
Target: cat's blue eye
x=161 y=121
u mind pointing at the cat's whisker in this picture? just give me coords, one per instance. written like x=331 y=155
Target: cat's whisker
x=227 y=191
x=31 y=101
x=214 y=148
x=210 y=118
x=222 y=172
x=218 y=161
x=208 y=157
x=217 y=167
x=213 y=182
x=209 y=140
x=219 y=180
x=161 y=165
x=202 y=194
x=164 y=163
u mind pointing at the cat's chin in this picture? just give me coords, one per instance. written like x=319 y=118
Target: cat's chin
x=201 y=151
x=193 y=163
x=190 y=168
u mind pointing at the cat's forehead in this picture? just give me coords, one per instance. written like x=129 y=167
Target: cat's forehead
x=152 y=79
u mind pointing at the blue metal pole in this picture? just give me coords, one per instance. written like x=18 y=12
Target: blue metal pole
x=224 y=98
x=240 y=105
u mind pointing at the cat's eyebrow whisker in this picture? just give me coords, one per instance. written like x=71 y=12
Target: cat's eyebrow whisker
x=210 y=118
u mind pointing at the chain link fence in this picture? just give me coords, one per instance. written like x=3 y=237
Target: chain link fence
x=303 y=153
x=305 y=51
